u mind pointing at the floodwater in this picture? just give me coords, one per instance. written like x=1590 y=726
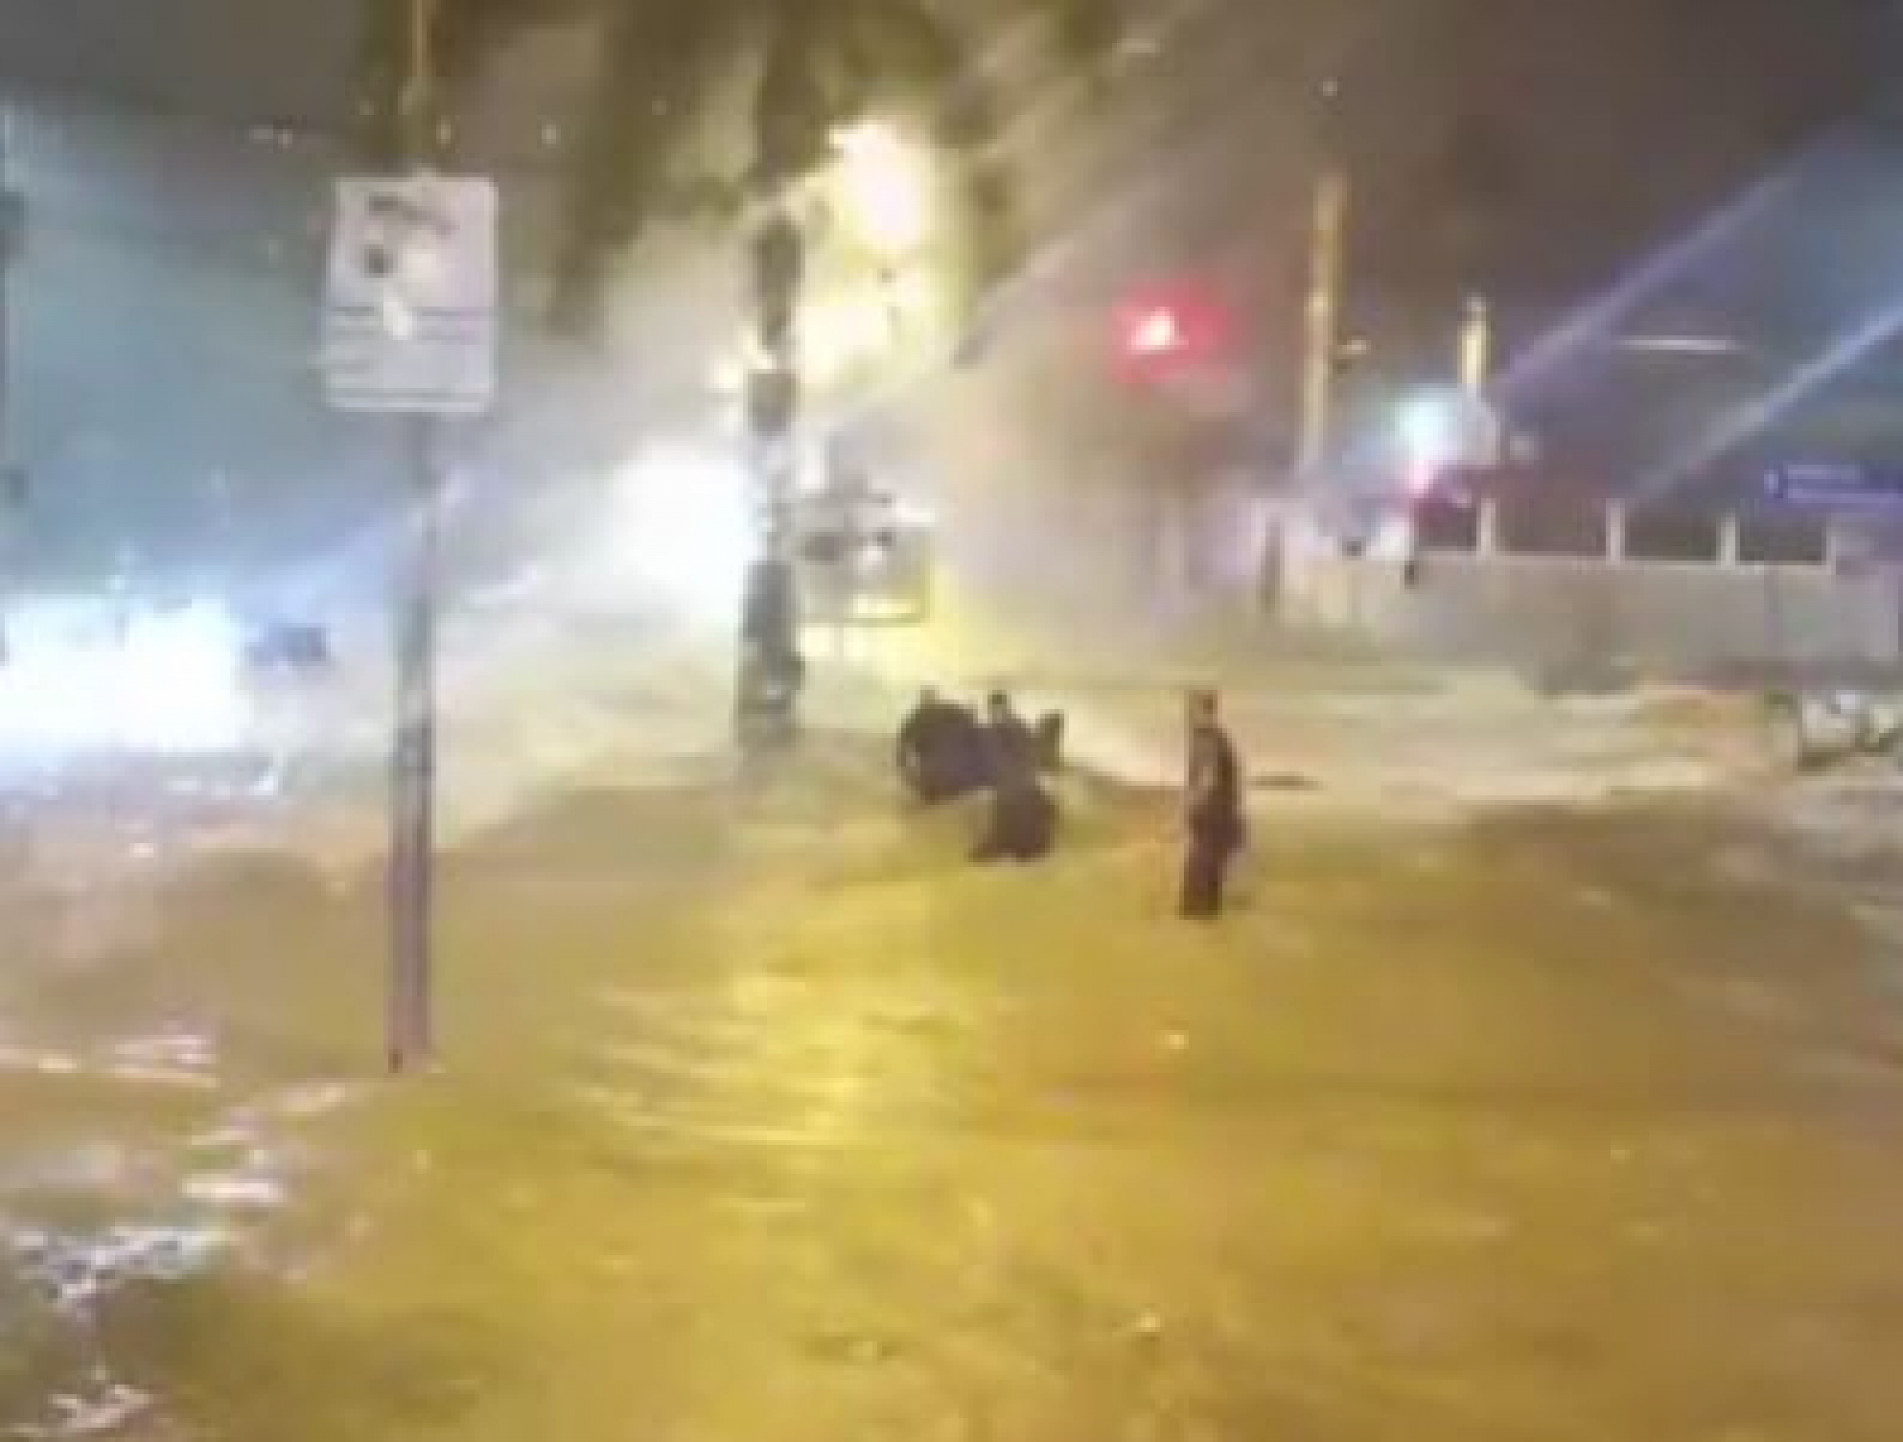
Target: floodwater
x=762 y=1115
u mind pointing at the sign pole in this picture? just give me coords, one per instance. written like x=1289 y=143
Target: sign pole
x=413 y=783
x=411 y=315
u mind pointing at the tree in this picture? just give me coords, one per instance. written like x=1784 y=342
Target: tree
x=816 y=64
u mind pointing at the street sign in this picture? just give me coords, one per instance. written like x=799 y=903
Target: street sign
x=866 y=556
x=1834 y=486
x=413 y=286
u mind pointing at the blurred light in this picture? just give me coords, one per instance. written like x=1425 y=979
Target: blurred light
x=424 y=265
x=911 y=297
x=843 y=330
x=1687 y=345
x=77 y=680
x=1429 y=438
x=1167 y=332
x=915 y=514
x=682 y=532
x=1442 y=429
x=1427 y=427
x=885 y=188
x=181 y=674
x=883 y=608
x=398 y=319
x=1157 y=332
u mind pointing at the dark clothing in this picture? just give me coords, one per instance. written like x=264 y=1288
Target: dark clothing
x=941 y=752
x=1010 y=755
x=1048 y=737
x=290 y=648
x=1213 y=819
x=1205 y=876
x=1215 y=778
x=1022 y=826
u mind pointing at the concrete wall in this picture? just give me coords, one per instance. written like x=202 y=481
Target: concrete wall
x=1579 y=616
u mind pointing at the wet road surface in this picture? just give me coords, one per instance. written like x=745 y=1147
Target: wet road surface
x=762 y=1116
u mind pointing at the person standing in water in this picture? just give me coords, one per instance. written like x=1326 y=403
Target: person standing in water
x=1212 y=810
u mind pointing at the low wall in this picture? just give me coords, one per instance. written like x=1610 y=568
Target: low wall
x=1556 y=614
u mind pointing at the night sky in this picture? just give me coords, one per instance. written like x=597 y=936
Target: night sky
x=1570 y=132
x=1540 y=135
x=244 y=60
x=1572 y=137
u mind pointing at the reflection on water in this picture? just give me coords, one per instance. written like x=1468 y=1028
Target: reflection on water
x=100 y=1407
x=75 y=1272
x=154 y=1177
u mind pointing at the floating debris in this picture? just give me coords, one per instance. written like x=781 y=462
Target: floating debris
x=75 y=1271
x=240 y=1192
x=104 y=1407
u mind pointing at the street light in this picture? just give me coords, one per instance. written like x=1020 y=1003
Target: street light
x=1443 y=428
x=1155 y=332
x=844 y=330
x=1176 y=332
x=884 y=188
x=1428 y=429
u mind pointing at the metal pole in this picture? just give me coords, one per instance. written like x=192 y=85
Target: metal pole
x=771 y=669
x=1476 y=348
x=1321 y=337
x=413 y=753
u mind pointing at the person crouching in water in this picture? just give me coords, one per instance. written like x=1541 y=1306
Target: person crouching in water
x=941 y=750
x=1022 y=824
x=1213 y=824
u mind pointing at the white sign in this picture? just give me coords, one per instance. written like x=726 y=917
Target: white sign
x=410 y=312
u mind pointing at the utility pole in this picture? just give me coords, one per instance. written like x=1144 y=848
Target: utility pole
x=771 y=670
x=1484 y=432
x=1322 y=317
x=413 y=754
x=1476 y=348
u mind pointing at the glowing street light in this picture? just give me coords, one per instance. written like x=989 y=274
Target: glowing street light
x=1156 y=332
x=885 y=188
x=1176 y=333
x=1440 y=429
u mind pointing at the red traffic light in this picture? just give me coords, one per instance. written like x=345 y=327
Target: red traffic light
x=1157 y=331
x=1164 y=332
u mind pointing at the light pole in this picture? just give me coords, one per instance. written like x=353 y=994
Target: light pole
x=1328 y=229
x=1476 y=347
x=883 y=189
x=771 y=670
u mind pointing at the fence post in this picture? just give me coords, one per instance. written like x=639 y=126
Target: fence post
x=1487 y=528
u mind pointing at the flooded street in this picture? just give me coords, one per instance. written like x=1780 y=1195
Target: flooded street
x=762 y=1115
x=497 y=419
